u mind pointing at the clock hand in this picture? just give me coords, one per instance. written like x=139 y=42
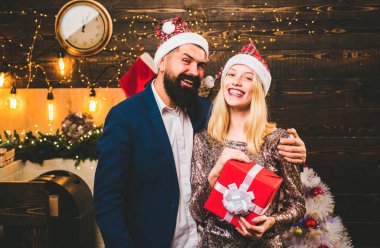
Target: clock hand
x=84 y=21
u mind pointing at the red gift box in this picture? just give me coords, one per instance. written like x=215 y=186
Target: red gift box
x=251 y=182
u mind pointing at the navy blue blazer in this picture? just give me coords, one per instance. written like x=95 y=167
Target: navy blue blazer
x=136 y=192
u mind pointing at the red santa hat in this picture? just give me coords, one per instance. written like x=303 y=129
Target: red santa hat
x=173 y=33
x=250 y=57
x=140 y=73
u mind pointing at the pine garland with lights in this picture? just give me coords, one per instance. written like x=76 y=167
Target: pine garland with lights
x=37 y=147
x=319 y=228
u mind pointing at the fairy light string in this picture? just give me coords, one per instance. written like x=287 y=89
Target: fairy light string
x=127 y=46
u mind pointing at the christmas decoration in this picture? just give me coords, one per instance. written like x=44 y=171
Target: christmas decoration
x=173 y=33
x=323 y=246
x=75 y=125
x=138 y=75
x=316 y=191
x=311 y=223
x=319 y=227
x=39 y=147
x=250 y=57
x=298 y=231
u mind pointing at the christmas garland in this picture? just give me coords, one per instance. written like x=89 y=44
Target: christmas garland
x=77 y=140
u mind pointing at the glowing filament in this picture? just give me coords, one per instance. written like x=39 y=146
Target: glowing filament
x=92 y=105
x=13 y=102
x=2 y=79
x=61 y=66
x=51 y=110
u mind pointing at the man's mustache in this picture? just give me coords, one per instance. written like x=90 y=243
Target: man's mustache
x=196 y=81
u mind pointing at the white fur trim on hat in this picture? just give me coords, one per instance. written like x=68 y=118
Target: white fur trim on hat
x=179 y=40
x=252 y=63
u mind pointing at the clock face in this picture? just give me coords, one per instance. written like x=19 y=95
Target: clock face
x=82 y=27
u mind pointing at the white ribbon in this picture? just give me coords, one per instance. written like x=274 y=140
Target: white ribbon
x=239 y=200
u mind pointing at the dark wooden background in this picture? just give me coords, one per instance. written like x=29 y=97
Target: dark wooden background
x=325 y=83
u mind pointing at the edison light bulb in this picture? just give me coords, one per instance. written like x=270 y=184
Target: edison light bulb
x=93 y=103
x=62 y=66
x=61 y=63
x=2 y=79
x=13 y=101
x=50 y=99
x=51 y=110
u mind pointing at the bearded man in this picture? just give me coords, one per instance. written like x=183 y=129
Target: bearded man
x=142 y=181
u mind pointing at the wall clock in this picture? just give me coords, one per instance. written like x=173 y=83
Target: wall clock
x=83 y=27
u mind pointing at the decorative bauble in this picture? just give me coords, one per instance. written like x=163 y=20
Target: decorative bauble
x=323 y=246
x=311 y=223
x=316 y=191
x=298 y=231
x=75 y=125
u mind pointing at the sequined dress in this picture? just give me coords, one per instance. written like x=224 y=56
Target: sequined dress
x=288 y=206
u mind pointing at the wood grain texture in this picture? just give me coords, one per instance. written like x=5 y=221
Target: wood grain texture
x=23 y=204
x=24 y=209
x=325 y=83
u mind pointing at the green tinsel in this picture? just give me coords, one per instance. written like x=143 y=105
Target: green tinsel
x=40 y=147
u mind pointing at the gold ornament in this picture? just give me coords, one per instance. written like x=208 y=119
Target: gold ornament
x=298 y=231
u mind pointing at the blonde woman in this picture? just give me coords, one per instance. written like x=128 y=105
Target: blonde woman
x=239 y=129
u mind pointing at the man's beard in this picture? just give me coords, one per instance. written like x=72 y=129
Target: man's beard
x=182 y=96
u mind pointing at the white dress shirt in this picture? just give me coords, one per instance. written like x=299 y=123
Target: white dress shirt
x=180 y=132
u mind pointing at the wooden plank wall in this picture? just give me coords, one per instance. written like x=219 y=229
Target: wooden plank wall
x=325 y=83
x=24 y=209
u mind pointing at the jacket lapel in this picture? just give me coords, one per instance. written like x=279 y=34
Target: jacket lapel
x=195 y=115
x=194 y=120
x=158 y=123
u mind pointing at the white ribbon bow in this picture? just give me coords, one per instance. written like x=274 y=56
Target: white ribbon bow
x=238 y=201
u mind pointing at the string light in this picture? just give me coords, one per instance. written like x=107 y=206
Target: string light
x=126 y=47
x=50 y=99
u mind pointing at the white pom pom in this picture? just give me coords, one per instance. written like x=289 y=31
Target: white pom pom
x=209 y=82
x=168 y=27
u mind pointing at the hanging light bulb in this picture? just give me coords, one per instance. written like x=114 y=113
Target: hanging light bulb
x=2 y=79
x=3 y=70
x=13 y=102
x=50 y=99
x=93 y=103
x=61 y=62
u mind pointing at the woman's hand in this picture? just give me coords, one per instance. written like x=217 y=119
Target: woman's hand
x=293 y=149
x=263 y=223
x=226 y=155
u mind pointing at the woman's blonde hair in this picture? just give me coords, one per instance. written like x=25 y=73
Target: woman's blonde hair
x=256 y=127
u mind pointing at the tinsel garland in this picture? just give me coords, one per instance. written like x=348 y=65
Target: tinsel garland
x=319 y=227
x=39 y=147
